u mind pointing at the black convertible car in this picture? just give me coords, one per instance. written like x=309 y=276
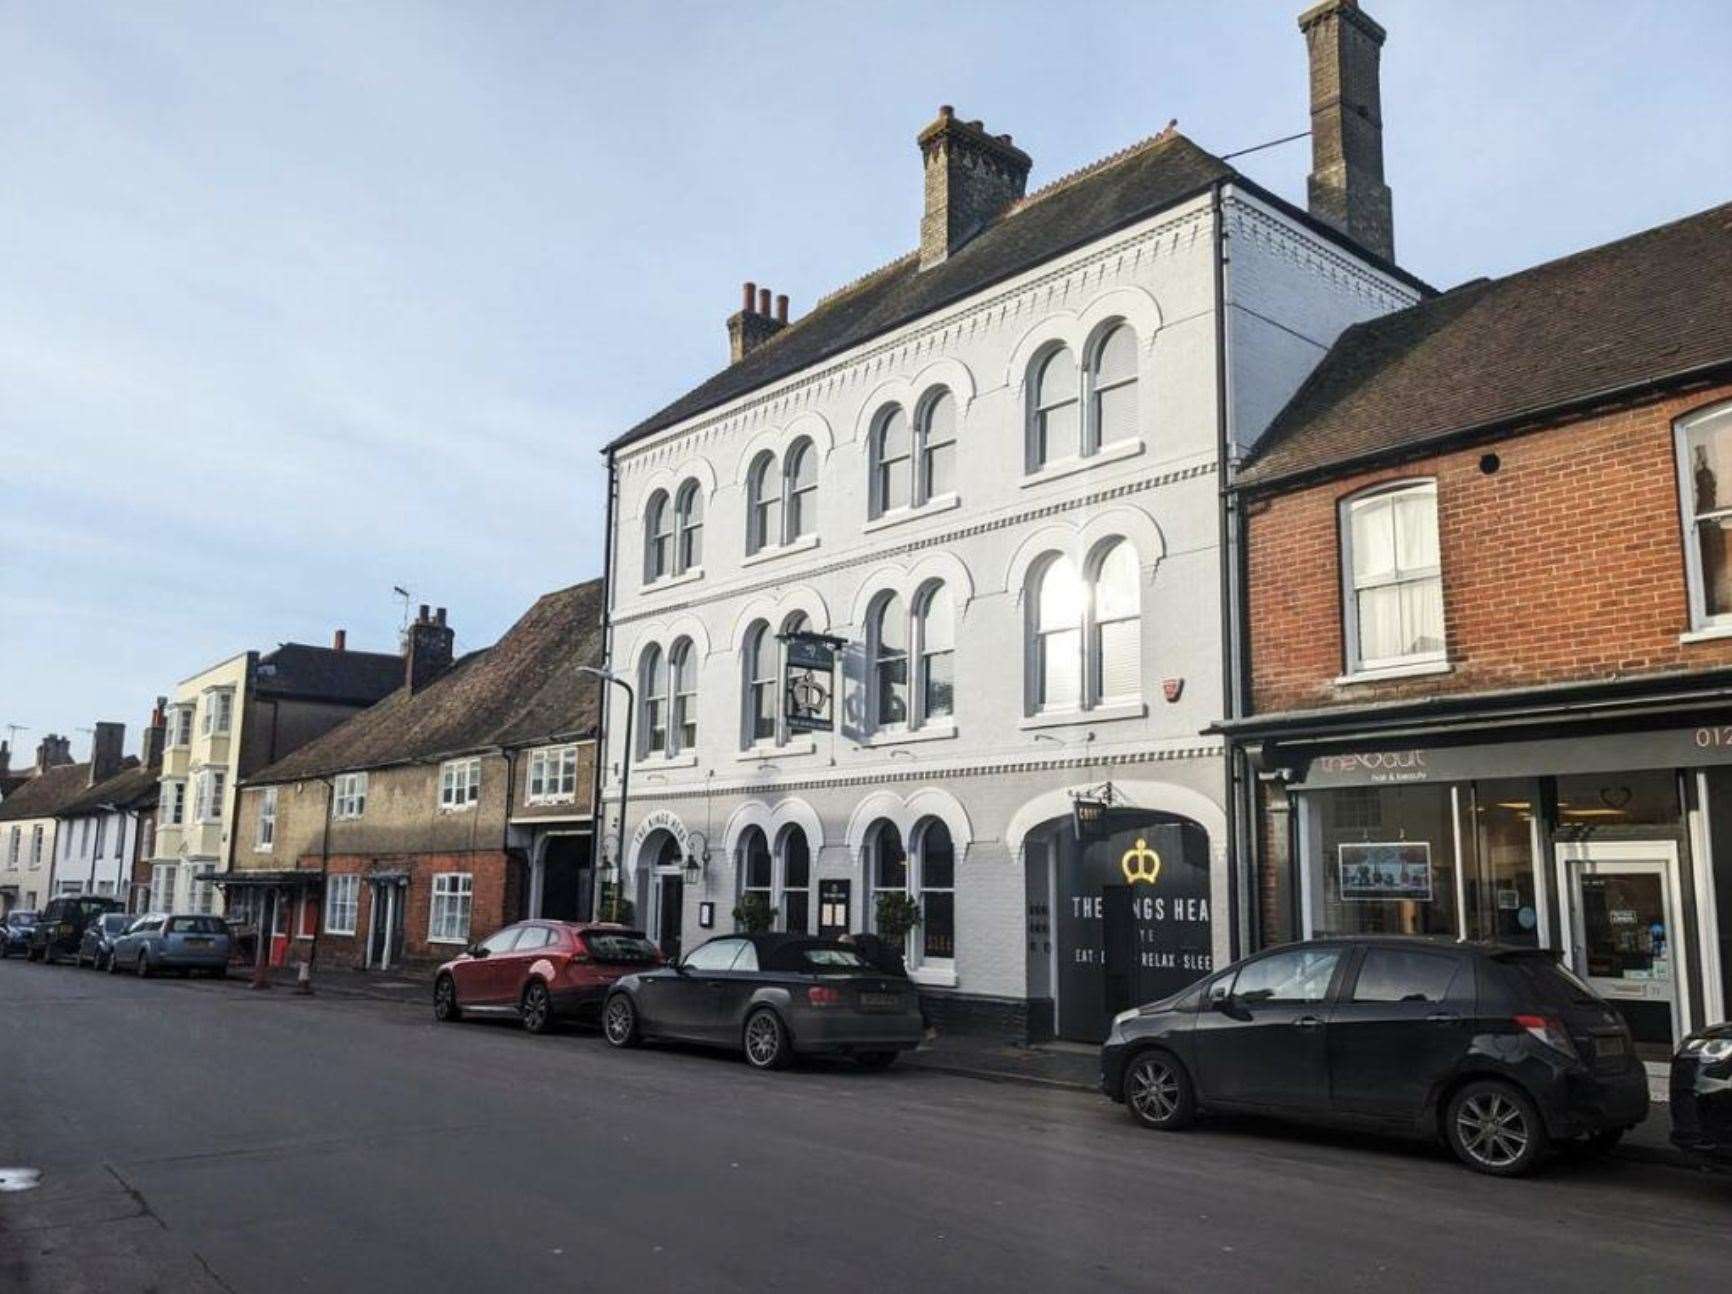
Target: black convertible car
x=773 y=996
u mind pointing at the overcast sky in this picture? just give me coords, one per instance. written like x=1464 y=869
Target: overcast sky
x=302 y=301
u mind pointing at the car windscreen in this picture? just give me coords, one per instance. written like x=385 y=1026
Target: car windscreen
x=195 y=926
x=816 y=959
x=621 y=947
x=115 y=922
x=1550 y=982
x=21 y=919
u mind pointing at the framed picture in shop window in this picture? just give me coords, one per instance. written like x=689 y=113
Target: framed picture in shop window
x=1385 y=871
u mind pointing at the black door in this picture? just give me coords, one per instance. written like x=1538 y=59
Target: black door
x=1264 y=1041
x=1118 y=948
x=1400 y=1025
x=671 y=916
x=565 y=879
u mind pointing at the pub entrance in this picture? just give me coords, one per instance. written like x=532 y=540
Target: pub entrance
x=1132 y=917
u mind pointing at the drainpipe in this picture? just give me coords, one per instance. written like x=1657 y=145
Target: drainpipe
x=324 y=870
x=1226 y=543
x=505 y=818
x=603 y=696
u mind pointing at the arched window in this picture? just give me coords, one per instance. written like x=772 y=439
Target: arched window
x=889 y=647
x=800 y=478
x=889 y=873
x=757 y=869
x=935 y=643
x=1055 y=426
x=1113 y=388
x=658 y=538
x=937 y=446
x=689 y=516
x=891 y=459
x=1057 y=617
x=935 y=882
x=796 y=905
x=683 y=668
x=653 y=699
x=761 y=504
x=1116 y=652
x=760 y=684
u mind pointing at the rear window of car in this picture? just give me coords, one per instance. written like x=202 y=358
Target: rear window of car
x=195 y=926
x=21 y=919
x=1405 y=975
x=1549 y=982
x=627 y=947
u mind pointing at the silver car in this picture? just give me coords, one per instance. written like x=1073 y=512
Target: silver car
x=185 y=942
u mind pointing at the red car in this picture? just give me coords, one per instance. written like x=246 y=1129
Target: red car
x=541 y=972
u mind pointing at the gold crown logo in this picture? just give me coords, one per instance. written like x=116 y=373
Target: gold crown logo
x=1141 y=863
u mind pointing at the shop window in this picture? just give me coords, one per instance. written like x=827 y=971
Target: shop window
x=1498 y=874
x=1590 y=801
x=1391 y=871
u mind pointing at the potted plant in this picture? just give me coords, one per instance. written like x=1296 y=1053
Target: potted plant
x=753 y=914
x=896 y=914
x=614 y=907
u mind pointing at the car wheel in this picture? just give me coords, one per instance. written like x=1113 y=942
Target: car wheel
x=1158 y=1092
x=766 y=1040
x=113 y=965
x=619 y=1022
x=1494 y=1128
x=536 y=1008
x=876 y=1059
x=445 y=1006
x=143 y=965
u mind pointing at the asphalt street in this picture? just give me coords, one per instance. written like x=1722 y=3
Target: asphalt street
x=197 y=1136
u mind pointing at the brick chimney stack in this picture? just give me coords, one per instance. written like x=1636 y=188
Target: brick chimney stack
x=754 y=325
x=155 y=736
x=5 y=757
x=340 y=640
x=1346 y=184
x=53 y=751
x=971 y=179
x=107 y=750
x=427 y=649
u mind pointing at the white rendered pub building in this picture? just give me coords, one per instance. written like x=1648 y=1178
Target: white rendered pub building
x=990 y=470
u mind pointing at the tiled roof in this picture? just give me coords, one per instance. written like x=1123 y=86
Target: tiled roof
x=521 y=691
x=296 y=669
x=1647 y=307
x=44 y=795
x=1075 y=210
x=134 y=787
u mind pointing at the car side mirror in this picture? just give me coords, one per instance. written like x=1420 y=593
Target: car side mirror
x=480 y=950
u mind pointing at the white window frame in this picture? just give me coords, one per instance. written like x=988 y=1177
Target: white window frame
x=881 y=468
x=349 y=796
x=174 y=789
x=212 y=784
x=14 y=848
x=761 y=670
x=799 y=502
x=342 y=903
x=1093 y=387
x=682 y=702
x=218 y=706
x=1701 y=620
x=180 y=725
x=453 y=896
x=876 y=658
x=1386 y=492
x=1034 y=433
x=922 y=493
x=36 y=843
x=920 y=658
x=201 y=890
x=689 y=527
x=652 y=702
x=552 y=775
x=762 y=505
x=164 y=879
x=459 y=784
x=658 y=537
x=267 y=821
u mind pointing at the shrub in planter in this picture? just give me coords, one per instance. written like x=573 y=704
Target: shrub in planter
x=753 y=914
x=896 y=914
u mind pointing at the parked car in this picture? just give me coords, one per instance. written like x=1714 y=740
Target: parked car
x=59 y=931
x=15 y=932
x=98 y=943
x=1500 y=1051
x=772 y=995
x=1701 y=1095
x=540 y=971
x=183 y=942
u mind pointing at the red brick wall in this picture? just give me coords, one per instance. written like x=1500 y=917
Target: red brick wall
x=1567 y=563
x=497 y=899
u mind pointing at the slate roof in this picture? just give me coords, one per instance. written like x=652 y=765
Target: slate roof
x=523 y=690
x=46 y=794
x=1080 y=208
x=1495 y=351
x=297 y=669
x=134 y=787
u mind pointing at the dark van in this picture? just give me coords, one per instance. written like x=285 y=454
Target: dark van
x=59 y=930
x=1498 y=1051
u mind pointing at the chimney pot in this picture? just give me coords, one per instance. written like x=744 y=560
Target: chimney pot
x=751 y=296
x=340 y=640
x=1346 y=188
x=763 y=301
x=422 y=618
x=439 y=615
x=782 y=307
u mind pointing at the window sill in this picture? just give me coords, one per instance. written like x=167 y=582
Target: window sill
x=454 y=943
x=1063 y=467
x=758 y=754
x=933 y=976
x=1706 y=634
x=897 y=516
x=1418 y=669
x=804 y=544
x=655 y=763
x=340 y=934
x=544 y=801
x=456 y=808
x=1100 y=714
x=936 y=731
x=691 y=576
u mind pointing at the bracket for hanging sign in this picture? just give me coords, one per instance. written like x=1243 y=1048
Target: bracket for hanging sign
x=1088 y=811
x=809 y=680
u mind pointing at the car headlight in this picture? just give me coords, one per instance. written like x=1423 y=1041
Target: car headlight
x=1709 y=1048
x=1123 y=1016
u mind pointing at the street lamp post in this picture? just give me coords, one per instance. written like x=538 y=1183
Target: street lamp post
x=608 y=676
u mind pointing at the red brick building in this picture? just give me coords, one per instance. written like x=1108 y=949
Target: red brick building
x=1488 y=610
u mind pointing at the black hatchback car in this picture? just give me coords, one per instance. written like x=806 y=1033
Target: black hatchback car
x=59 y=931
x=773 y=996
x=1701 y=1095
x=1498 y=1050
x=15 y=932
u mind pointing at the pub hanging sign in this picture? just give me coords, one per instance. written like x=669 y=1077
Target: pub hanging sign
x=1088 y=812
x=809 y=681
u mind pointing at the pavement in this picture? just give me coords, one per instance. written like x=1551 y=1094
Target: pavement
x=196 y=1136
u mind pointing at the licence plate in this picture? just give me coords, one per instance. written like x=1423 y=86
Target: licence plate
x=880 y=1001
x=197 y=943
